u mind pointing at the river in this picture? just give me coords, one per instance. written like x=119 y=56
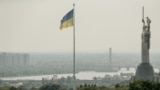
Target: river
x=84 y=75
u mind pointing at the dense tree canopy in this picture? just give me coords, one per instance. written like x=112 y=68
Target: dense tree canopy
x=144 y=85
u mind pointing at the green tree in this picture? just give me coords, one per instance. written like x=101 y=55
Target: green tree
x=144 y=85
x=85 y=85
x=33 y=88
x=12 y=88
x=81 y=86
x=52 y=87
x=117 y=86
x=21 y=88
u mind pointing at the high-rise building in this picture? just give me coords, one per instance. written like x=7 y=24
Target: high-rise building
x=14 y=59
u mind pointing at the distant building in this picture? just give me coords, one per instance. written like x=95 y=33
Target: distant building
x=110 y=56
x=14 y=59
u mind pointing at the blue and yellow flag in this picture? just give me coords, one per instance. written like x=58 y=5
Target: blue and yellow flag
x=67 y=20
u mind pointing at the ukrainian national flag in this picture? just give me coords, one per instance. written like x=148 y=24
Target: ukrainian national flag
x=67 y=20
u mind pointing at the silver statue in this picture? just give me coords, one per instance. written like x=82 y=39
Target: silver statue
x=146 y=40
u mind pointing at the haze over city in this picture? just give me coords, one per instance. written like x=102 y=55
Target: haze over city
x=33 y=26
x=111 y=45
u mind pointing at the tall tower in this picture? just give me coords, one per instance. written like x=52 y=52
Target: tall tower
x=145 y=70
x=110 y=56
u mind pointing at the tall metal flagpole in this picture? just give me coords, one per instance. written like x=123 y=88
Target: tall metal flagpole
x=74 y=77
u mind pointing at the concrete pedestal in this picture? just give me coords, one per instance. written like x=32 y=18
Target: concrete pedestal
x=144 y=72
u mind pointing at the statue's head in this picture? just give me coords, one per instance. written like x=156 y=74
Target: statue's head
x=147 y=17
x=148 y=20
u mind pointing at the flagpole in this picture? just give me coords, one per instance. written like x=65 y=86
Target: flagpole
x=74 y=77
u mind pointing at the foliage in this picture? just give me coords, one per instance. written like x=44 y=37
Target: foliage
x=137 y=85
x=94 y=87
x=4 y=88
x=52 y=87
x=144 y=85
x=117 y=86
x=33 y=88
x=21 y=88
x=13 y=88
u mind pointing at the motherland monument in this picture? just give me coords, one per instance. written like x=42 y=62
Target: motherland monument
x=145 y=70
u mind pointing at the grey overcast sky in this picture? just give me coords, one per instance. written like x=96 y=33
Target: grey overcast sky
x=33 y=25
